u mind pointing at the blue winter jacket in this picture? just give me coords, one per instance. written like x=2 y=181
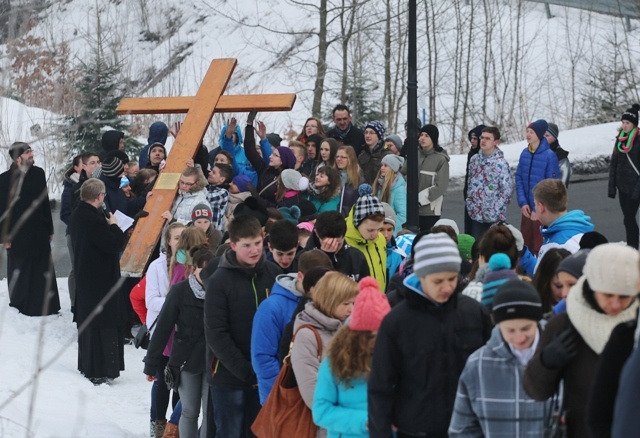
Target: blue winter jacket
x=565 y=232
x=241 y=164
x=269 y=322
x=533 y=167
x=491 y=401
x=158 y=132
x=395 y=257
x=339 y=409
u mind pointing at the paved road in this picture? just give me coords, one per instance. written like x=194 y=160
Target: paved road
x=589 y=196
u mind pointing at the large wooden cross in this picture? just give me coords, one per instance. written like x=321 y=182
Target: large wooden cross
x=200 y=110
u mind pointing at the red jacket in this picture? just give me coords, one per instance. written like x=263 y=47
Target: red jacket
x=137 y=299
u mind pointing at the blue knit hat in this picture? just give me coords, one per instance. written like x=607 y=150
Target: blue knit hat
x=378 y=127
x=539 y=127
x=500 y=272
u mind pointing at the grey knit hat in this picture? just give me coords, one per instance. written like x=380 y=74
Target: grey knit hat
x=293 y=180
x=434 y=253
x=396 y=140
x=395 y=162
x=389 y=214
x=553 y=130
x=574 y=263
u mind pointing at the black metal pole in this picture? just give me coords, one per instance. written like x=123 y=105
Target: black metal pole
x=412 y=114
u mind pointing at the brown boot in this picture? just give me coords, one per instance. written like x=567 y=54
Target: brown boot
x=159 y=428
x=171 y=431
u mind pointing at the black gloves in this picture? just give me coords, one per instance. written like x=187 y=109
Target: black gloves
x=561 y=350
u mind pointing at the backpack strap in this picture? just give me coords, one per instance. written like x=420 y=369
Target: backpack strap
x=318 y=338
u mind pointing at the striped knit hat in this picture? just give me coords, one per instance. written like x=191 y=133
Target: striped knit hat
x=435 y=253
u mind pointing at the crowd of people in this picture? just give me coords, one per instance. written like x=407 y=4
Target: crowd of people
x=297 y=257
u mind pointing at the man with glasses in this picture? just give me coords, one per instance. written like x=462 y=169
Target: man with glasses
x=26 y=230
x=344 y=131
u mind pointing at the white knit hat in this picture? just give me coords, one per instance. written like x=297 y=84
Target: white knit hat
x=613 y=268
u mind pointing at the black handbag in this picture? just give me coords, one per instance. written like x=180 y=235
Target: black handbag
x=143 y=337
x=172 y=376
x=555 y=424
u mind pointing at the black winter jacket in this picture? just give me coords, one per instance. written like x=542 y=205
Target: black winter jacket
x=607 y=378
x=353 y=138
x=349 y=261
x=622 y=175
x=185 y=312
x=233 y=295
x=117 y=200
x=420 y=352
x=267 y=188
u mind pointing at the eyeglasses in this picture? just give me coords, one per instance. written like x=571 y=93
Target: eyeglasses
x=188 y=184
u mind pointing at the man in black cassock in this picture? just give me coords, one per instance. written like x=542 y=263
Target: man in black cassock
x=27 y=235
x=97 y=240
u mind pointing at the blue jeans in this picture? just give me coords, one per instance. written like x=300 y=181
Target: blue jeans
x=176 y=414
x=235 y=410
x=194 y=393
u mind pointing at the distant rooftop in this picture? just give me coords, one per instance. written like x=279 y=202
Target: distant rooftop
x=618 y=8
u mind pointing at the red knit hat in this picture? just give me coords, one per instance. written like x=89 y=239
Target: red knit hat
x=370 y=307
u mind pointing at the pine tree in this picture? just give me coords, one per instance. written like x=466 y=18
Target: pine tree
x=99 y=90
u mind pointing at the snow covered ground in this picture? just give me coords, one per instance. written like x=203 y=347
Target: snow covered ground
x=61 y=402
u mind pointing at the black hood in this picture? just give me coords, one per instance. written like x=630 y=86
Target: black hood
x=111 y=140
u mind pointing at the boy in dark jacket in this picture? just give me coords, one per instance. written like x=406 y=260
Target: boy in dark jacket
x=329 y=236
x=423 y=345
x=242 y=280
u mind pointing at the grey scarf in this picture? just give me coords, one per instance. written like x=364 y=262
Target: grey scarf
x=196 y=287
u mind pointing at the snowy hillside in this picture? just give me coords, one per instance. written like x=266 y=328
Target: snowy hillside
x=502 y=63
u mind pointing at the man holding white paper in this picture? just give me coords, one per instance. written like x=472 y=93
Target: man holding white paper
x=97 y=240
x=433 y=165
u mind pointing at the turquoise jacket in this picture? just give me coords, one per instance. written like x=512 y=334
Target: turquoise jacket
x=398 y=201
x=330 y=205
x=339 y=409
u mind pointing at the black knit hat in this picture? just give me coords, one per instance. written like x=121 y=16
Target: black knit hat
x=516 y=299
x=432 y=131
x=252 y=207
x=631 y=114
x=574 y=263
x=591 y=239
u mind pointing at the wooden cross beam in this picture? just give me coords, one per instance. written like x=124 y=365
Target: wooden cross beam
x=200 y=110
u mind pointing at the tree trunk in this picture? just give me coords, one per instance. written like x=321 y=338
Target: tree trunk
x=321 y=63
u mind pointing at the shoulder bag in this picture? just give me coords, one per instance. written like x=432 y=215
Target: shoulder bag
x=284 y=413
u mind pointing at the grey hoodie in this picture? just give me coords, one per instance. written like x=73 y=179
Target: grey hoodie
x=304 y=354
